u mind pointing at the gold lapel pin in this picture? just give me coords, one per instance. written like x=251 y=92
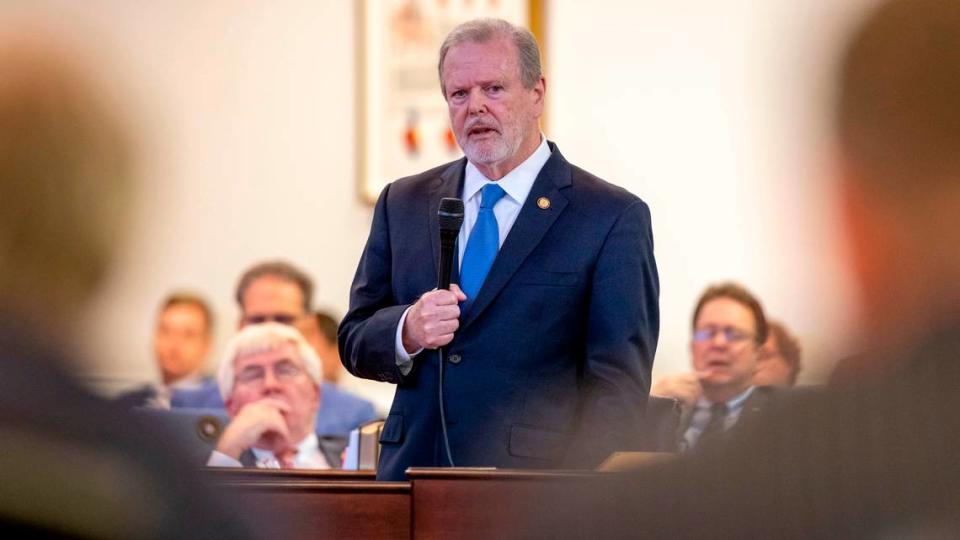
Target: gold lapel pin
x=543 y=203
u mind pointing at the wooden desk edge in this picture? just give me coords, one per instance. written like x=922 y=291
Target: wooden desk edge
x=448 y=473
x=386 y=488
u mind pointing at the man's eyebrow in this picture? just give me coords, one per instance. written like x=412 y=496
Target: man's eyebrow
x=488 y=82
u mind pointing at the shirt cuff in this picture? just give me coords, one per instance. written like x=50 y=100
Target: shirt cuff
x=218 y=459
x=404 y=359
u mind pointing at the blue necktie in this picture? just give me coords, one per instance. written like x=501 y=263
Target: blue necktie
x=482 y=245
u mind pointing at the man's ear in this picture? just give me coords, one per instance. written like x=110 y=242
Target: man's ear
x=869 y=237
x=539 y=91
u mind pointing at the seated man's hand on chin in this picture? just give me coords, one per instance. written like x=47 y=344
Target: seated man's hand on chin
x=685 y=387
x=260 y=424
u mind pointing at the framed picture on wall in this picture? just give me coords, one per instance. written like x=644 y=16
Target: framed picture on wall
x=403 y=127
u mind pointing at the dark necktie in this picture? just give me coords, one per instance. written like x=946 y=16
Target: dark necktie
x=482 y=245
x=715 y=426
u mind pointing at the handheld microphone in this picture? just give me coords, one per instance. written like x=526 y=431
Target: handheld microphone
x=450 y=218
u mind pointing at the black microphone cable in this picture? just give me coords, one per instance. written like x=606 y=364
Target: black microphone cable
x=443 y=416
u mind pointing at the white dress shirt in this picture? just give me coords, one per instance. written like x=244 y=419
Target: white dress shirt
x=517 y=185
x=308 y=456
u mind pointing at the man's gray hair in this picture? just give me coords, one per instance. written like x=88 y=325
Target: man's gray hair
x=487 y=30
x=258 y=338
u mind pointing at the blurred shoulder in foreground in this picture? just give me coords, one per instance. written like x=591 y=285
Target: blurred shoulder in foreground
x=71 y=464
x=876 y=457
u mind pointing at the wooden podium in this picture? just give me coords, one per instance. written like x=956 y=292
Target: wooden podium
x=318 y=504
x=435 y=503
x=489 y=503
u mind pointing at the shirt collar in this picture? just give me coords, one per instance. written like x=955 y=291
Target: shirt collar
x=733 y=404
x=517 y=183
x=307 y=447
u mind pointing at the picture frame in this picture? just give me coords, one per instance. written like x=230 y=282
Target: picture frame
x=403 y=124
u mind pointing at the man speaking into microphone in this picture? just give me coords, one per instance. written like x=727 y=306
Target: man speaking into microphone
x=548 y=332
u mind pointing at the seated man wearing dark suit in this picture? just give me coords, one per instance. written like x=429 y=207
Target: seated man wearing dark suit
x=270 y=381
x=181 y=343
x=779 y=364
x=729 y=329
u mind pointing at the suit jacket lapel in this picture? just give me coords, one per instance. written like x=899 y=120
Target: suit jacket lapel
x=532 y=223
x=448 y=185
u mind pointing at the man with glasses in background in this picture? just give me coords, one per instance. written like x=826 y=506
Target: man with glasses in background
x=729 y=330
x=779 y=364
x=270 y=379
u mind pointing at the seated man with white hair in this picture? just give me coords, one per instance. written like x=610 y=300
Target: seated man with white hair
x=270 y=379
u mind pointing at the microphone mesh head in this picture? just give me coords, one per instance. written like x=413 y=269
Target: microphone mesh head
x=450 y=214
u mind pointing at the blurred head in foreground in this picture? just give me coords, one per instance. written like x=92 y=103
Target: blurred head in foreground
x=898 y=127
x=65 y=182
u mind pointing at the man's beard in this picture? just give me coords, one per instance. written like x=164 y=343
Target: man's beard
x=500 y=148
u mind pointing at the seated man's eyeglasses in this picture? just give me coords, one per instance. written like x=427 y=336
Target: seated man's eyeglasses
x=282 y=318
x=730 y=334
x=283 y=371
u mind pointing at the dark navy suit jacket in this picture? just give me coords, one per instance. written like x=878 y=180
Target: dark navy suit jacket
x=551 y=366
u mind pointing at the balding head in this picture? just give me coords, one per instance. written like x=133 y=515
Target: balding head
x=898 y=128
x=898 y=114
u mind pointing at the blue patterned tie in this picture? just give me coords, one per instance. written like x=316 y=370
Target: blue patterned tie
x=481 y=246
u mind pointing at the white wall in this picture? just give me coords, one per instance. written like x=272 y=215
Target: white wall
x=710 y=111
x=715 y=113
